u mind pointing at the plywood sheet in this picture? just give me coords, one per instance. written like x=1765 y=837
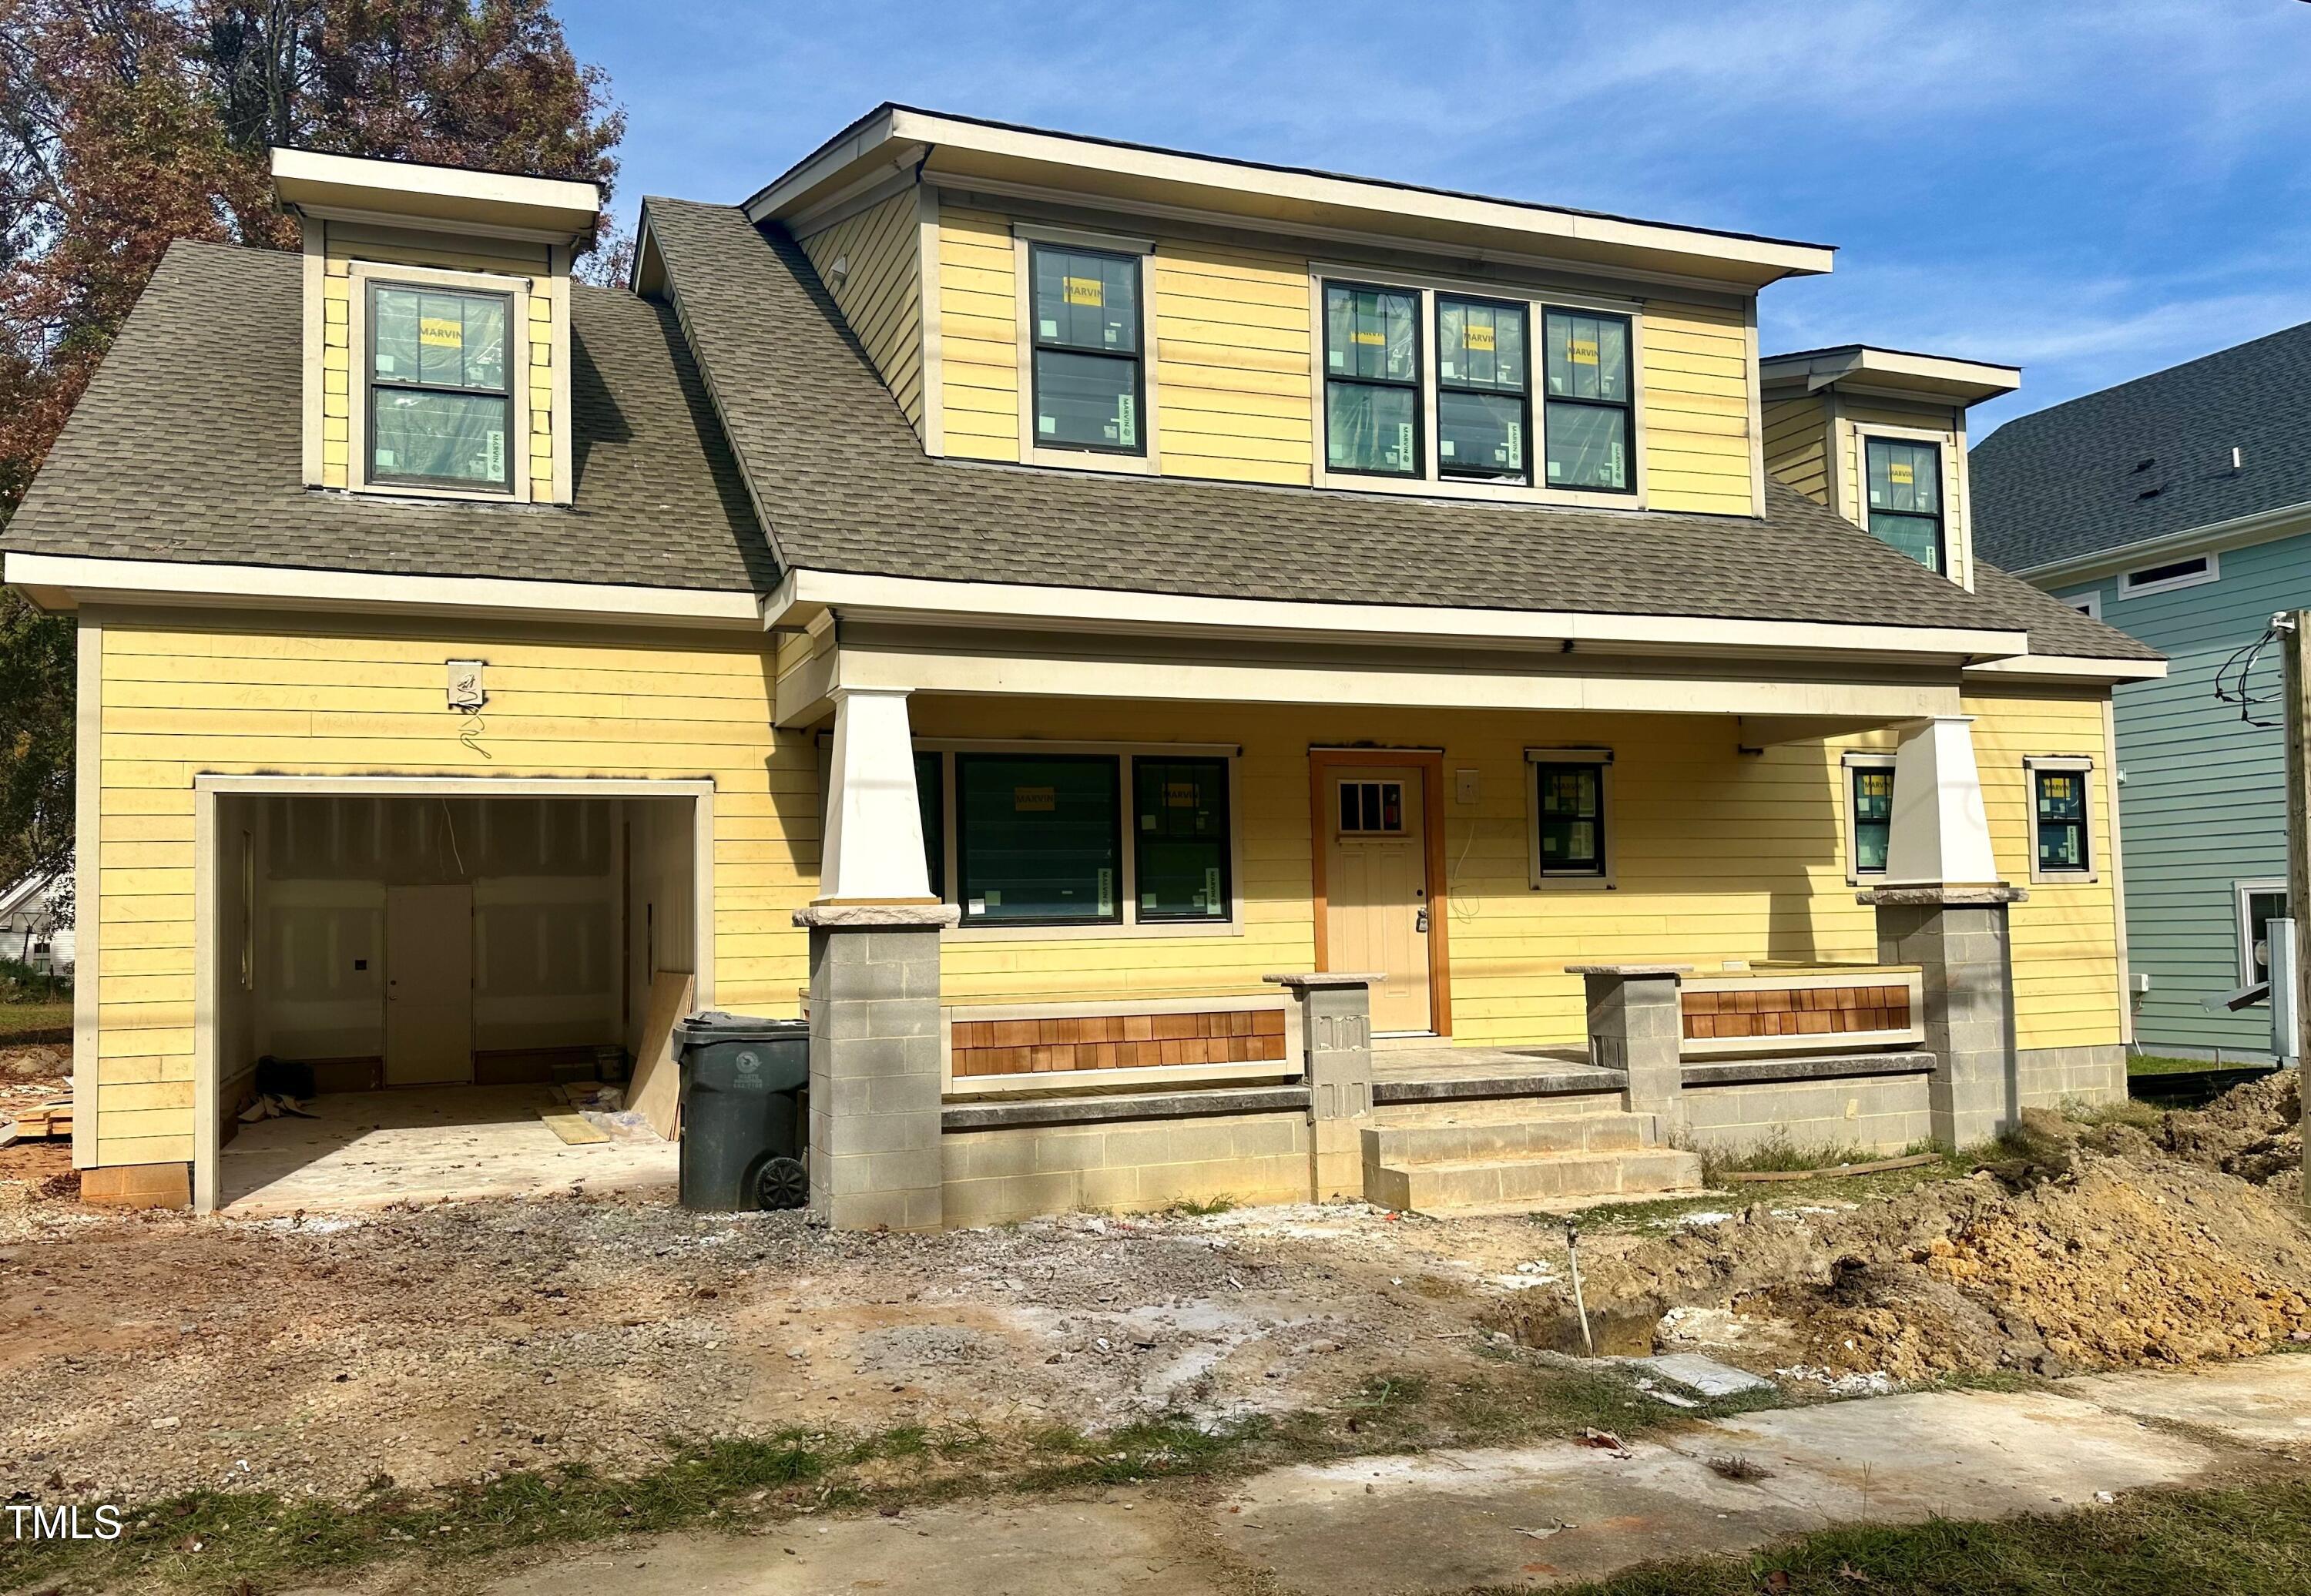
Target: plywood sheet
x=656 y=1091
x=571 y=1126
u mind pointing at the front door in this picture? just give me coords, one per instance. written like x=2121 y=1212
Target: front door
x=429 y=985
x=1376 y=889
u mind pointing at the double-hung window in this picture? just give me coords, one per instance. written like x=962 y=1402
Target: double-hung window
x=1870 y=792
x=1372 y=380
x=2060 y=834
x=1483 y=393
x=439 y=388
x=1589 y=412
x=1569 y=800
x=1906 y=497
x=1089 y=385
x=1181 y=830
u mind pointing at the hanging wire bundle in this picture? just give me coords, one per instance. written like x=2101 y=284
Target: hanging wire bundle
x=2262 y=702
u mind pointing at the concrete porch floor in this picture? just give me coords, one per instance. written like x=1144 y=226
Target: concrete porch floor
x=1423 y=1074
x=422 y=1144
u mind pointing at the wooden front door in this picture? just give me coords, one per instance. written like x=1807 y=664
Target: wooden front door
x=429 y=985
x=1376 y=903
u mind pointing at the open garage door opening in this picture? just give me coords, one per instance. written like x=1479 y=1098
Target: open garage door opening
x=438 y=982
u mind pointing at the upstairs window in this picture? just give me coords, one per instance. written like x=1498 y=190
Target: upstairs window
x=2175 y=574
x=1372 y=380
x=1590 y=413
x=440 y=387
x=1483 y=407
x=1088 y=384
x=1906 y=497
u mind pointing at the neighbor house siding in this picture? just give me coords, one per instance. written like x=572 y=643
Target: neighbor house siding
x=2205 y=799
x=1698 y=376
x=880 y=295
x=183 y=698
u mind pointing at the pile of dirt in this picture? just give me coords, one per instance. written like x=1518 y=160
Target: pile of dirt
x=2075 y=1255
x=2254 y=1131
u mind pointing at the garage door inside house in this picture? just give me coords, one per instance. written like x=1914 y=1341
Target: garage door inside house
x=437 y=964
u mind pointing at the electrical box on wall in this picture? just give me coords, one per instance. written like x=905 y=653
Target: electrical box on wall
x=466 y=689
x=1464 y=786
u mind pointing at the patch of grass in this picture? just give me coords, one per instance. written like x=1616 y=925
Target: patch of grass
x=1650 y=1214
x=42 y=1020
x=2154 y=1064
x=2126 y=1111
x=1777 y=1154
x=1202 y=1208
x=2252 y=1539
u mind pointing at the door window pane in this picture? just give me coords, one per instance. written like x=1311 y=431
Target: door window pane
x=1372 y=380
x=1873 y=818
x=1037 y=838
x=1087 y=375
x=1906 y=497
x=1571 y=800
x=2062 y=821
x=1181 y=829
x=1590 y=420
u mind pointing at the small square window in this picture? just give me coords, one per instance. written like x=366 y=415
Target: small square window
x=1371 y=808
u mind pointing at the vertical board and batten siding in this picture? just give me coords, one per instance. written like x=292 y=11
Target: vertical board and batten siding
x=180 y=699
x=2204 y=806
x=1797 y=444
x=881 y=295
x=1232 y=369
x=341 y=364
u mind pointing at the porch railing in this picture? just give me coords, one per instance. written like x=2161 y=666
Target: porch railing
x=1780 y=1008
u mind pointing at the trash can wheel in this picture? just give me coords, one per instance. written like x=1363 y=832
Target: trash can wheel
x=784 y=1184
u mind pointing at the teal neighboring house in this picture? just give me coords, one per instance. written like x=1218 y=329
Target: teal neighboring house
x=2177 y=508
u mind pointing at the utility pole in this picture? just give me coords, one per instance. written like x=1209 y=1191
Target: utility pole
x=2294 y=628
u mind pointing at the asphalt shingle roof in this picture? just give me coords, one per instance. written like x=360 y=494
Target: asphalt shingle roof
x=186 y=447
x=2069 y=480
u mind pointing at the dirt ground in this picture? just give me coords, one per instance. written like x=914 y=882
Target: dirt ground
x=140 y=1354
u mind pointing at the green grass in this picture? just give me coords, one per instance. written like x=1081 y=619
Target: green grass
x=2252 y=1539
x=270 y=1540
x=44 y=1021
x=2153 y=1064
x=1202 y=1208
x=1653 y=1213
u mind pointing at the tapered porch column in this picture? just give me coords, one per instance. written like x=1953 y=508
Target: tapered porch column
x=876 y=1071
x=1943 y=909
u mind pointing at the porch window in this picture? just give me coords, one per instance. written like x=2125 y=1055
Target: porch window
x=930 y=799
x=1181 y=831
x=1037 y=839
x=1906 y=497
x=2058 y=794
x=1569 y=804
x=1087 y=377
x=1872 y=796
x=1483 y=407
x=1590 y=410
x=440 y=386
x=1372 y=380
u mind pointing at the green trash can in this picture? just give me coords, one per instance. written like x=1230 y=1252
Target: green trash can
x=742 y=1127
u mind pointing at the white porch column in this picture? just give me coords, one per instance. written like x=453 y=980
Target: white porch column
x=873 y=851
x=1939 y=835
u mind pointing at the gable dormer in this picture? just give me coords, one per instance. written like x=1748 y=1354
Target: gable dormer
x=436 y=326
x=1879 y=435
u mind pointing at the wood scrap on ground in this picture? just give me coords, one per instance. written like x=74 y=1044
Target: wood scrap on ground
x=46 y=1121
x=656 y=1091
x=571 y=1126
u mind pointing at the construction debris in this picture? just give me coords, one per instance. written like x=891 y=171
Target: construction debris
x=49 y=1121
x=272 y=1105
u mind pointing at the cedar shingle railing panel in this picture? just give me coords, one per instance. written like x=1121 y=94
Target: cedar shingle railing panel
x=1811 y=1009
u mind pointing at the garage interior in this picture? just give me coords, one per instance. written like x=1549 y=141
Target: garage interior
x=438 y=964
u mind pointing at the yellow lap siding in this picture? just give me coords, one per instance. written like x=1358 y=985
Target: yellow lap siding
x=880 y=294
x=1695 y=367
x=979 y=335
x=1797 y=445
x=1232 y=363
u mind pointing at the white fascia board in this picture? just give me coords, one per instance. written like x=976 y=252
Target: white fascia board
x=1897 y=371
x=913 y=599
x=898 y=124
x=2262 y=526
x=2068 y=668
x=410 y=190
x=73 y=580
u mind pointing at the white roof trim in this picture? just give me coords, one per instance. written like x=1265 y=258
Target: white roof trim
x=1971 y=381
x=61 y=581
x=411 y=192
x=2072 y=668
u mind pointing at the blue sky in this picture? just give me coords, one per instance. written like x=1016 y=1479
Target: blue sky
x=2091 y=191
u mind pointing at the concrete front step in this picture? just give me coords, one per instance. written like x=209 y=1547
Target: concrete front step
x=1403 y=1145
x=1537 y=1178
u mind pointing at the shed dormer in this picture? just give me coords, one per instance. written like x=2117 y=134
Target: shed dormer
x=436 y=326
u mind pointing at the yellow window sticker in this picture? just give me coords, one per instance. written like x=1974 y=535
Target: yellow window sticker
x=1899 y=471
x=1583 y=352
x=1033 y=801
x=1179 y=795
x=441 y=331
x=1085 y=290
x=1479 y=338
x=1370 y=338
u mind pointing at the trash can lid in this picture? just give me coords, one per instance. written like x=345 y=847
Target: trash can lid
x=714 y=1026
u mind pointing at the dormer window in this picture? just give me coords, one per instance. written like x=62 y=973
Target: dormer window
x=1592 y=424
x=1906 y=497
x=1088 y=386
x=1372 y=380
x=1483 y=408
x=440 y=387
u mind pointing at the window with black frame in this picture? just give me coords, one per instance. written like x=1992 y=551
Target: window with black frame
x=1483 y=393
x=1873 y=816
x=439 y=388
x=1181 y=833
x=2059 y=812
x=1570 y=796
x=1088 y=386
x=930 y=800
x=1037 y=839
x=1372 y=380
x=1590 y=408
x=1906 y=497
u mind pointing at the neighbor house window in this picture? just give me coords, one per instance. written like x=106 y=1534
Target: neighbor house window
x=1088 y=375
x=1871 y=792
x=1590 y=420
x=1372 y=380
x=1483 y=403
x=1036 y=838
x=2175 y=573
x=1906 y=497
x=2259 y=903
x=2058 y=818
x=1180 y=837
x=1569 y=839
x=440 y=387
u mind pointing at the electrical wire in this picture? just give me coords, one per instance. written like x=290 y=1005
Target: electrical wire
x=2263 y=706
